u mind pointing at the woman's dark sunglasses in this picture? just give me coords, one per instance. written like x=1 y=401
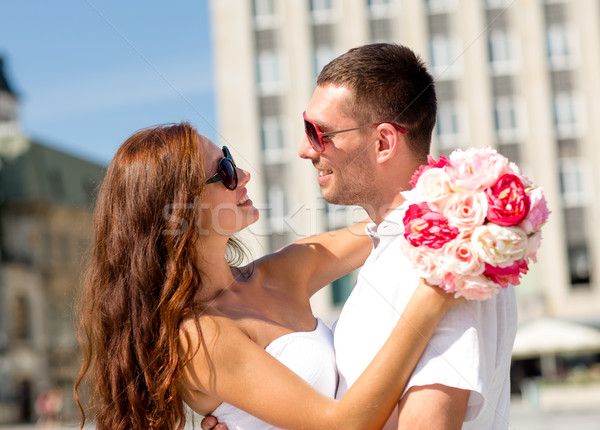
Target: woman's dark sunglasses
x=315 y=136
x=226 y=172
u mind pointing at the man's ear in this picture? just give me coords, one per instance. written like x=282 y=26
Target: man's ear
x=388 y=142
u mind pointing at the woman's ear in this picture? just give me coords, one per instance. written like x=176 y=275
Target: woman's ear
x=388 y=142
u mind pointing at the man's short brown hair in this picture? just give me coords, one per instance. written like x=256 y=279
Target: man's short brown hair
x=389 y=83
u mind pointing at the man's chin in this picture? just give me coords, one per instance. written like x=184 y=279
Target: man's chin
x=334 y=198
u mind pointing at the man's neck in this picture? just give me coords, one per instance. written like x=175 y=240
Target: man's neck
x=379 y=211
x=386 y=194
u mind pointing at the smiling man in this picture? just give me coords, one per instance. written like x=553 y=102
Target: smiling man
x=368 y=128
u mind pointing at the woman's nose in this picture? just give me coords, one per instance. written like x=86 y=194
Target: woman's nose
x=243 y=176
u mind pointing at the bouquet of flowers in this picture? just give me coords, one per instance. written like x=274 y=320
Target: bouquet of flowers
x=473 y=222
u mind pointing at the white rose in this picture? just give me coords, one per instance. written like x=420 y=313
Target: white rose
x=499 y=246
x=434 y=186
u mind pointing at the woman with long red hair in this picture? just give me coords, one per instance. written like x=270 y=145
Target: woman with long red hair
x=168 y=318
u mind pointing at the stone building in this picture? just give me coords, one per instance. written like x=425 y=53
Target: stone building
x=46 y=200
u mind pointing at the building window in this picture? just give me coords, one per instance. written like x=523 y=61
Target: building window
x=512 y=151
x=89 y=188
x=508 y=116
x=555 y=11
x=503 y=86
x=451 y=127
x=62 y=247
x=562 y=81
x=320 y=5
x=321 y=11
x=438 y=24
x=502 y=52
x=444 y=57
x=272 y=140
x=568 y=115
x=579 y=265
x=264 y=14
x=575 y=182
x=562 y=52
x=341 y=289
x=263 y=8
x=276 y=208
x=381 y=30
x=265 y=40
x=21 y=319
x=269 y=71
x=440 y=6
x=322 y=56
x=56 y=183
x=378 y=9
x=269 y=106
x=577 y=236
x=498 y=4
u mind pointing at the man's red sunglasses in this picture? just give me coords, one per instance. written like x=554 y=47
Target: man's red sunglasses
x=315 y=136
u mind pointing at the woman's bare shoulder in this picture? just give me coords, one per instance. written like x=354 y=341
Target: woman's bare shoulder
x=208 y=329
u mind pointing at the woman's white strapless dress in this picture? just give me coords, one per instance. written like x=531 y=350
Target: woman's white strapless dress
x=309 y=354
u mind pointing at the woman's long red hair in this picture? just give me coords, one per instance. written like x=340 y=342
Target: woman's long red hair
x=141 y=280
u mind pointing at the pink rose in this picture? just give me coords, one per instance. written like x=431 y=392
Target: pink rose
x=425 y=167
x=447 y=283
x=475 y=287
x=507 y=202
x=505 y=276
x=467 y=210
x=428 y=262
x=538 y=211
x=476 y=169
x=533 y=244
x=423 y=226
x=462 y=259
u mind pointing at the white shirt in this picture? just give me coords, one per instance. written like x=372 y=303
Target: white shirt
x=472 y=345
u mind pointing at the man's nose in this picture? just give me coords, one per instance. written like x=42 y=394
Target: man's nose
x=306 y=150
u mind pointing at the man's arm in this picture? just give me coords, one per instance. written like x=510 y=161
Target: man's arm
x=433 y=407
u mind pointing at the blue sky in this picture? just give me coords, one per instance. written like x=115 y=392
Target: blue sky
x=89 y=73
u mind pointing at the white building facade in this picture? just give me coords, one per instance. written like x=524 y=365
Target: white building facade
x=518 y=75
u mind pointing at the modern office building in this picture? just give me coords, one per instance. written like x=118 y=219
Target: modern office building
x=521 y=76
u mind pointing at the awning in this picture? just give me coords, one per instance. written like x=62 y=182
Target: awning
x=554 y=336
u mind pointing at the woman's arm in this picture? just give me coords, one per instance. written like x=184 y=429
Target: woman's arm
x=230 y=367
x=316 y=261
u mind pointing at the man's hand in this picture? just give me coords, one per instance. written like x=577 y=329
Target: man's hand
x=210 y=423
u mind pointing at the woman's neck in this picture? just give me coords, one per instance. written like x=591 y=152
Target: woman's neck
x=216 y=272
